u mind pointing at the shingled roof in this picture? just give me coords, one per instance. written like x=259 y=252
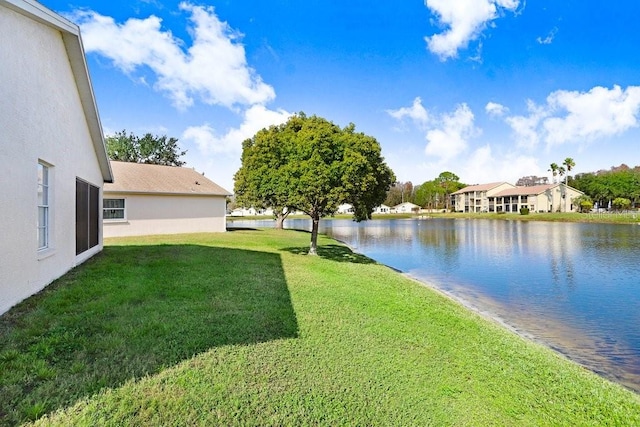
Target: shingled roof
x=157 y=179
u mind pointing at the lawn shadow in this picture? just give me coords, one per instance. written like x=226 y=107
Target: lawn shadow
x=133 y=311
x=333 y=252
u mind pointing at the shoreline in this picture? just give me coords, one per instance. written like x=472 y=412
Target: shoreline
x=496 y=319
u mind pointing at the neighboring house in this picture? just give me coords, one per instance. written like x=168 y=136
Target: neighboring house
x=475 y=198
x=345 y=208
x=152 y=199
x=505 y=197
x=406 y=207
x=382 y=209
x=53 y=156
x=251 y=212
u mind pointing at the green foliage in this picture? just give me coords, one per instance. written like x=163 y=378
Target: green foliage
x=436 y=193
x=311 y=165
x=400 y=192
x=605 y=186
x=524 y=211
x=584 y=203
x=157 y=150
x=621 y=204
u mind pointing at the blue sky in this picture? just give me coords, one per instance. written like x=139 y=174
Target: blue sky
x=491 y=90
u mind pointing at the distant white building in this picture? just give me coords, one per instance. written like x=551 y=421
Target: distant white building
x=382 y=209
x=406 y=207
x=345 y=208
x=251 y=212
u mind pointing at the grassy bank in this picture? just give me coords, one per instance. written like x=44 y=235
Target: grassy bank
x=241 y=328
x=605 y=218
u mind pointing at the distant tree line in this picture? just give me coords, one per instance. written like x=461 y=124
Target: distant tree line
x=618 y=187
x=433 y=194
x=150 y=149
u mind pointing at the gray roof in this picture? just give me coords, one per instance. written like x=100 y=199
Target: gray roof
x=156 y=179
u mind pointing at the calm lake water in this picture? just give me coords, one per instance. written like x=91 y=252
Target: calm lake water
x=574 y=287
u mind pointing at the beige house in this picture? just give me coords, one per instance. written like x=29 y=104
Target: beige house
x=153 y=199
x=53 y=156
x=505 y=197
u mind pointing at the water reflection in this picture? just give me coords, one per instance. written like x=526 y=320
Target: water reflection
x=571 y=286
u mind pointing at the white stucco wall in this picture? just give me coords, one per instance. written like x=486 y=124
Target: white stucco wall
x=167 y=214
x=41 y=118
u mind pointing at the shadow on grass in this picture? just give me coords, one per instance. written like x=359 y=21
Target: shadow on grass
x=334 y=252
x=133 y=311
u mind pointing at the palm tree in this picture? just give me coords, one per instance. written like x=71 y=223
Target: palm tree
x=569 y=164
x=554 y=171
x=561 y=172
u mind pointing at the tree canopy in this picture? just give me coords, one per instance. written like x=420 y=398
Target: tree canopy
x=157 y=150
x=312 y=165
x=607 y=185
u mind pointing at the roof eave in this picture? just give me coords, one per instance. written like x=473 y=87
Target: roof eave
x=164 y=193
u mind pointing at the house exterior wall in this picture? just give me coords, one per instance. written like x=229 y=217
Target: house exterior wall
x=42 y=119
x=147 y=214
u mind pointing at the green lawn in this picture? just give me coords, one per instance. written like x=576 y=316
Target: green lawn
x=242 y=328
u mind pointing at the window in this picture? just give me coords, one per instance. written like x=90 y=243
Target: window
x=87 y=216
x=113 y=209
x=43 y=206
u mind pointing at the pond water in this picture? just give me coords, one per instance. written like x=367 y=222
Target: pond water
x=574 y=287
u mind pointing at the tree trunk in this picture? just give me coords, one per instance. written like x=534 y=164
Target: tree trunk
x=281 y=215
x=313 y=249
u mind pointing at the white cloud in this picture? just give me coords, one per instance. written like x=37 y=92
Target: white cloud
x=495 y=110
x=213 y=69
x=578 y=117
x=218 y=154
x=591 y=115
x=525 y=128
x=417 y=113
x=209 y=141
x=451 y=137
x=488 y=165
x=465 y=20
x=549 y=38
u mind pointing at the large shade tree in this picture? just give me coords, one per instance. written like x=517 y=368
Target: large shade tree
x=257 y=182
x=311 y=165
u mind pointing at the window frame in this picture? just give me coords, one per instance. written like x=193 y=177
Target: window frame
x=43 y=221
x=123 y=209
x=87 y=224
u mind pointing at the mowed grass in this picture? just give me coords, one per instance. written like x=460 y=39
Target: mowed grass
x=242 y=328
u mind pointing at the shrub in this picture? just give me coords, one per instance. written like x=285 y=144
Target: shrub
x=524 y=211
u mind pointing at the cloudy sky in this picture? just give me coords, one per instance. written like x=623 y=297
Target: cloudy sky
x=491 y=90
